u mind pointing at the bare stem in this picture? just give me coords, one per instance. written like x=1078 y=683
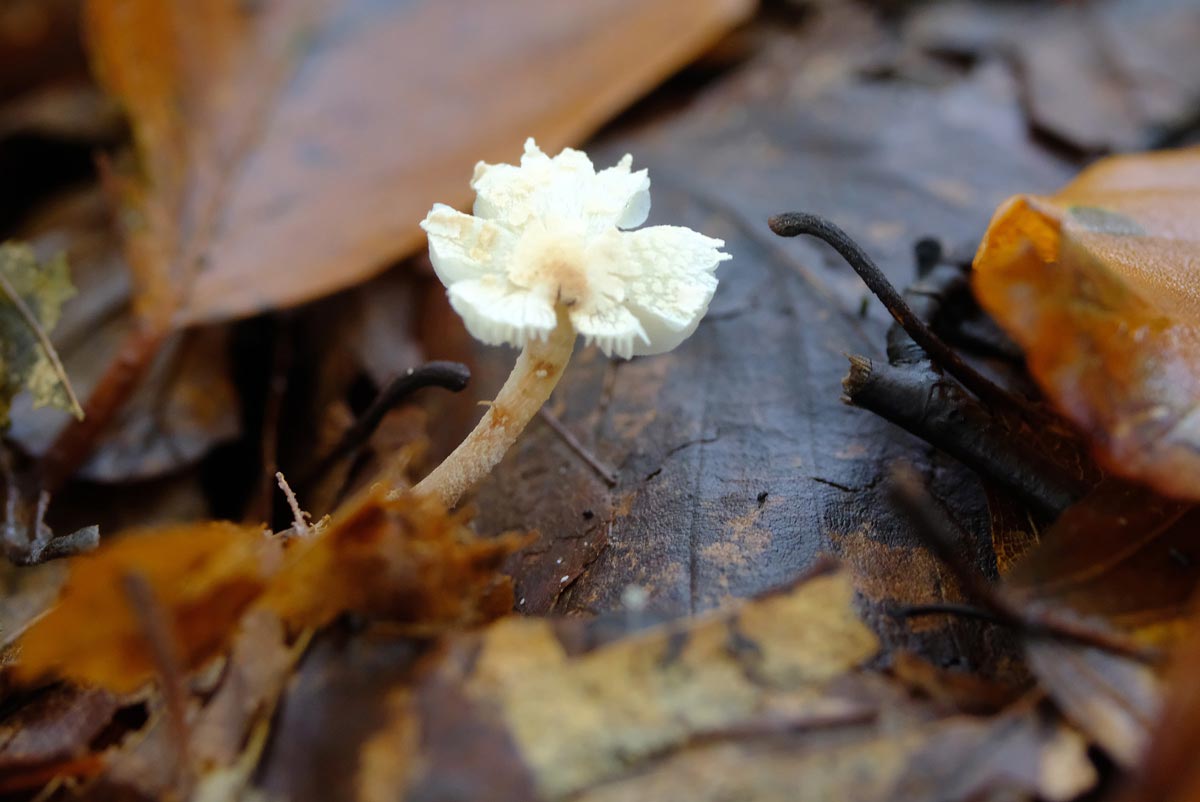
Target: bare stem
x=533 y=378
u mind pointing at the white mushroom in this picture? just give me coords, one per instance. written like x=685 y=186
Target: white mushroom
x=546 y=257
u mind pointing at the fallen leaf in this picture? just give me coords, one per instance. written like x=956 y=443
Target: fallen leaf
x=1020 y=752
x=1096 y=77
x=274 y=165
x=1168 y=770
x=226 y=725
x=204 y=577
x=57 y=725
x=259 y=664
x=282 y=166
x=1113 y=699
x=1121 y=557
x=405 y=560
x=185 y=404
x=580 y=721
x=1094 y=283
x=30 y=305
x=765 y=700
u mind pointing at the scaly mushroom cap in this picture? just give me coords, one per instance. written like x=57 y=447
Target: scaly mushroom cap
x=552 y=231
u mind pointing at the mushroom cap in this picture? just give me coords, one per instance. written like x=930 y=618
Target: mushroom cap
x=554 y=231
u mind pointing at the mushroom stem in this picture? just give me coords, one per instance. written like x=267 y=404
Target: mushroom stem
x=533 y=378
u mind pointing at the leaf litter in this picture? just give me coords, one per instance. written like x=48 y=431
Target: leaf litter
x=373 y=657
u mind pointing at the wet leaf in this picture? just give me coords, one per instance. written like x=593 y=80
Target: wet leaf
x=32 y=298
x=1095 y=284
x=282 y=166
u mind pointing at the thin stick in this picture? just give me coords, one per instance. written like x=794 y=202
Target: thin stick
x=44 y=340
x=603 y=471
x=940 y=536
x=941 y=413
x=793 y=224
x=159 y=638
x=299 y=516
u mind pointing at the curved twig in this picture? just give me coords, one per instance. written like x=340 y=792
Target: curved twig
x=452 y=376
x=793 y=224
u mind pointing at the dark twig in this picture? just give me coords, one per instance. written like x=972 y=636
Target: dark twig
x=951 y=608
x=452 y=376
x=33 y=543
x=43 y=340
x=793 y=224
x=945 y=541
x=941 y=413
x=603 y=471
x=157 y=631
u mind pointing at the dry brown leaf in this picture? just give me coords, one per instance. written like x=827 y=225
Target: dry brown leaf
x=1121 y=554
x=1113 y=699
x=1097 y=285
x=1121 y=557
x=1168 y=771
x=53 y=731
x=292 y=147
x=579 y=720
x=766 y=700
x=404 y=560
x=204 y=576
x=287 y=149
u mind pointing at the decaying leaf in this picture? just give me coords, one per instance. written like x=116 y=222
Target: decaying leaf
x=580 y=720
x=274 y=165
x=1125 y=558
x=1112 y=699
x=765 y=700
x=403 y=560
x=1123 y=555
x=32 y=297
x=204 y=576
x=58 y=725
x=1097 y=285
x=1168 y=771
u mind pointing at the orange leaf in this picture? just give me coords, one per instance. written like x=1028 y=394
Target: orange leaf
x=405 y=560
x=292 y=146
x=1098 y=285
x=204 y=577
